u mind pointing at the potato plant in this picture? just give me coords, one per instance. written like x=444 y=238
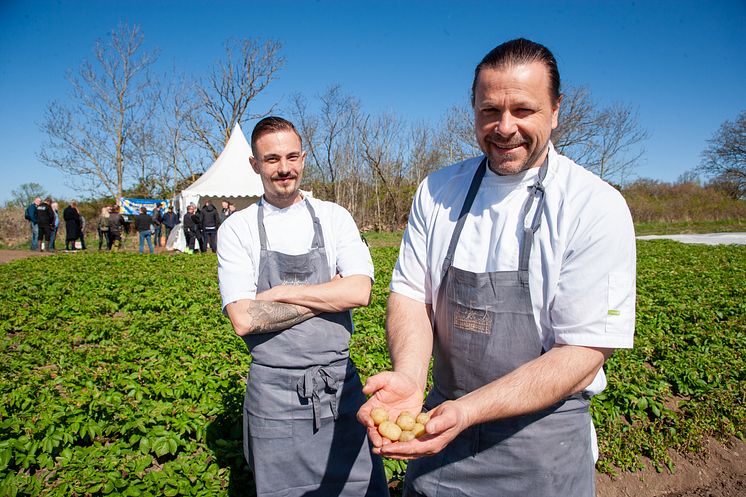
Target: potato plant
x=120 y=376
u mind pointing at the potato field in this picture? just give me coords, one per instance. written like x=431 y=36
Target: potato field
x=120 y=376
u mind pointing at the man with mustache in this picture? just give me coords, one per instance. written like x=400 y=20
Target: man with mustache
x=517 y=273
x=290 y=269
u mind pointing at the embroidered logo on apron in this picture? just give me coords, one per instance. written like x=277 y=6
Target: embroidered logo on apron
x=473 y=320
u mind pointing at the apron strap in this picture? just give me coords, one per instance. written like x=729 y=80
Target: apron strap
x=536 y=190
x=470 y=196
x=318 y=234
x=311 y=384
x=260 y=224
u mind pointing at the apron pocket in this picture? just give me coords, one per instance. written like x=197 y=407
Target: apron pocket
x=269 y=428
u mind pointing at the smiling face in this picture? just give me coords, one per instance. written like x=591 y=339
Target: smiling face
x=279 y=160
x=514 y=116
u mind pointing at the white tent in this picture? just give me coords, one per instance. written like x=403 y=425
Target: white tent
x=229 y=178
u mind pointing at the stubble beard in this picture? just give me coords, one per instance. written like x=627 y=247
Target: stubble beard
x=506 y=167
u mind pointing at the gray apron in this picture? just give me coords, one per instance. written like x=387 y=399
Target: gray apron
x=484 y=329
x=301 y=435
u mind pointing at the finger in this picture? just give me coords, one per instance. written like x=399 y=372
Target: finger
x=409 y=450
x=376 y=382
x=375 y=438
x=363 y=415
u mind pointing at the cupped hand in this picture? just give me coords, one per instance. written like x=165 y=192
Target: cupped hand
x=395 y=392
x=446 y=422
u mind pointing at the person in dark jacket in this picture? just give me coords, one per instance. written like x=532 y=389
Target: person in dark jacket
x=170 y=219
x=157 y=220
x=72 y=224
x=191 y=228
x=30 y=216
x=82 y=229
x=116 y=225
x=142 y=225
x=45 y=220
x=209 y=221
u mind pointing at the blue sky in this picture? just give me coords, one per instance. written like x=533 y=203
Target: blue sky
x=679 y=64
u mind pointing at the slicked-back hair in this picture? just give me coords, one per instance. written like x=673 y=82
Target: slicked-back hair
x=520 y=52
x=272 y=124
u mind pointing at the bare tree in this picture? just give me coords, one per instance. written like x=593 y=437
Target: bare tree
x=426 y=152
x=25 y=194
x=577 y=124
x=329 y=137
x=179 y=157
x=234 y=82
x=456 y=135
x=95 y=138
x=382 y=152
x=725 y=155
x=616 y=146
x=608 y=142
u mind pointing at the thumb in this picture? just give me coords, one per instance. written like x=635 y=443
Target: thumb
x=441 y=419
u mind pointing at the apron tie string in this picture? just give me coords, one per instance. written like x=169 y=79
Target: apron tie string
x=311 y=384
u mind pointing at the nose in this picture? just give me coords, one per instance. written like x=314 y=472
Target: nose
x=506 y=124
x=283 y=166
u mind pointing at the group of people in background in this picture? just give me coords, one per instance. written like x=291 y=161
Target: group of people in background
x=199 y=225
x=112 y=224
x=44 y=220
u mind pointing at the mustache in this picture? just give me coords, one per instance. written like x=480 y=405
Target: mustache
x=283 y=176
x=507 y=144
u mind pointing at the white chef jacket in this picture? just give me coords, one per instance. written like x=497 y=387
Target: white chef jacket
x=582 y=265
x=290 y=231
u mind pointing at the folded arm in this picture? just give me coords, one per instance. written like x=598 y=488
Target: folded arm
x=339 y=294
x=284 y=306
x=258 y=316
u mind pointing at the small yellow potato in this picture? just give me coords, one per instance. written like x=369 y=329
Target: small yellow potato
x=379 y=415
x=389 y=430
x=418 y=430
x=423 y=418
x=406 y=436
x=405 y=421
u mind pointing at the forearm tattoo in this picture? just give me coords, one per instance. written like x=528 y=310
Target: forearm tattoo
x=267 y=317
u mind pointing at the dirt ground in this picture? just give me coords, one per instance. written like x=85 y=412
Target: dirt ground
x=11 y=255
x=720 y=471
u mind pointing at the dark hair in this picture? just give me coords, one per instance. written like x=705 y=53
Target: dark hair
x=272 y=124
x=143 y=210
x=519 y=52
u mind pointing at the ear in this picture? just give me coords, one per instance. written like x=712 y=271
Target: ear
x=254 y=164
x=555 y=112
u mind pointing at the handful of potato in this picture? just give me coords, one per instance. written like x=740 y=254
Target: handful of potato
x=406 y=428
